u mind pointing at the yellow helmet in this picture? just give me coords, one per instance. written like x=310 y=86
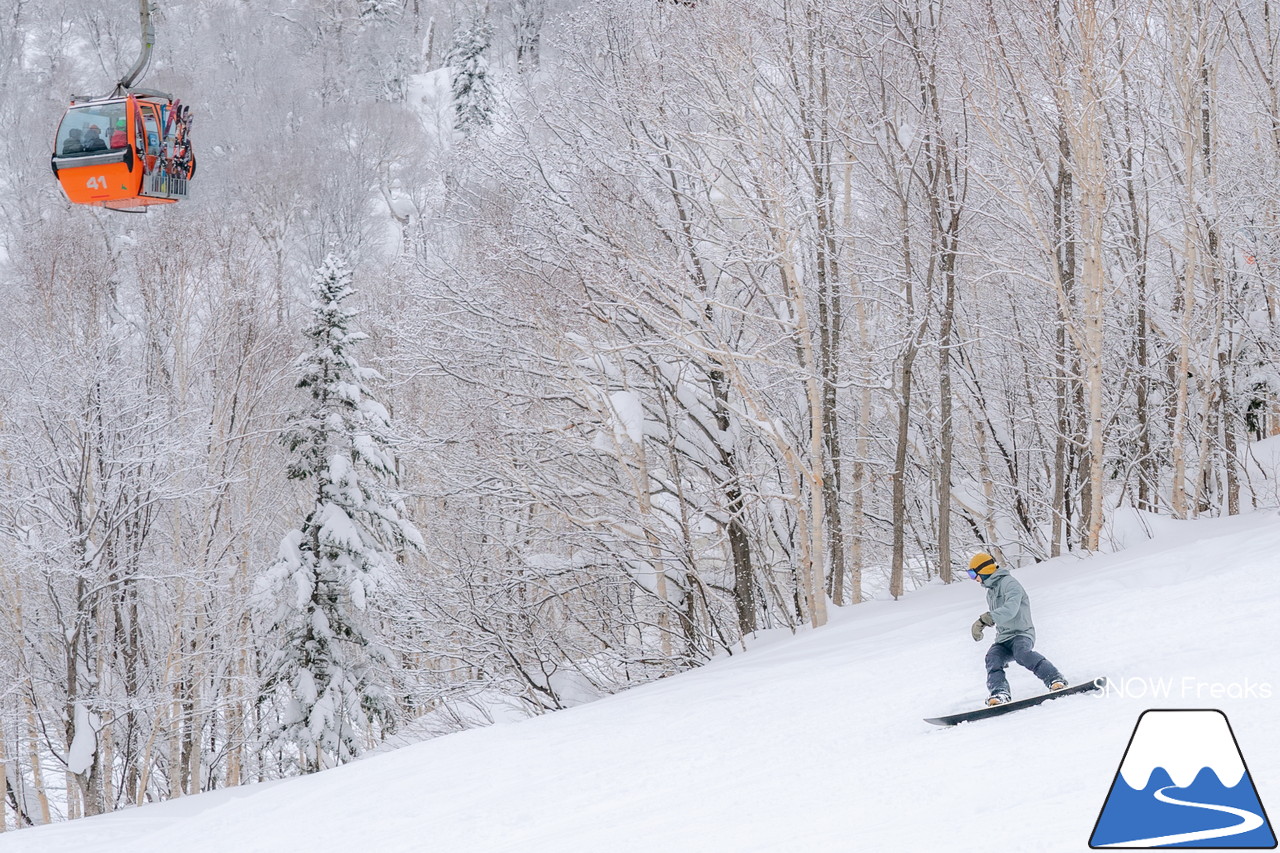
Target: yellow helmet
x=982 y=565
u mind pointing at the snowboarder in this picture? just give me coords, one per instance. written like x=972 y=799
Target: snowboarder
x=1010 y=612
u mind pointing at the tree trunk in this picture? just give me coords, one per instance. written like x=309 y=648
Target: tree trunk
x=898 y=555
x=4 y=773
x=1065 y=261
x=946 y=435
x=33 y=759
x=744 y=581
x=1092 y=169
x=859 y=474
x=1186 y=70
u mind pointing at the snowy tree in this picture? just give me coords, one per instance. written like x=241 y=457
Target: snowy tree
x=472 y=91
x=327 y=661
x=527 y=18
x=376 y=9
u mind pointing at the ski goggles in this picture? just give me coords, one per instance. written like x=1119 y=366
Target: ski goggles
x=976 y=573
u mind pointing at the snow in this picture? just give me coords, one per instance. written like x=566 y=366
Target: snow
x=810 y=742
x=431 y=97
x=1128 y=526
x=1262 y=472
x=906 y=134
x=646 y=575
x=85 y=742
x=338 y=530
x=629 y=412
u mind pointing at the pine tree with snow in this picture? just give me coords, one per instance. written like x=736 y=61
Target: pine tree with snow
x=375 y=9
x=472 y=91
x=322 y=590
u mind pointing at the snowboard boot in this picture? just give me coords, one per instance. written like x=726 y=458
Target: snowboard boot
x=997 y=699
x=1057 y=684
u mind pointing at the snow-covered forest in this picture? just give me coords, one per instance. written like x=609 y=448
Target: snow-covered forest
x=510 y=353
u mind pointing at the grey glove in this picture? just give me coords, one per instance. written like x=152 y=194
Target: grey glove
x=984 y=621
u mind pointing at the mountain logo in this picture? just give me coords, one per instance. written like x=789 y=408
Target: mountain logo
x=1183 y=783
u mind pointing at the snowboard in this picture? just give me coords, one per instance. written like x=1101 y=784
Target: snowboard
x=1009 y=707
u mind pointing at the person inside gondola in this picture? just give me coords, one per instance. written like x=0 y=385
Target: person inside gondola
x=73 y=145
x=93 y=140
x=119 y=138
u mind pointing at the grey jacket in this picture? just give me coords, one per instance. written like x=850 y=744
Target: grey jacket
x=1009 y=605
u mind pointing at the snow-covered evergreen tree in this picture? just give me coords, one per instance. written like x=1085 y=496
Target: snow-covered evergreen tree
x=472 y=91
x=326 y=661
x=375 y=9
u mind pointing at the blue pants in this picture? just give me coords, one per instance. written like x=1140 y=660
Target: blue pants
x=1017 y=649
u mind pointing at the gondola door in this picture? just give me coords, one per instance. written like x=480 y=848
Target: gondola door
x=90 y=165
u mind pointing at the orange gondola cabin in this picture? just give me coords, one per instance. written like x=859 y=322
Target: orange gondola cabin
x=125 y=153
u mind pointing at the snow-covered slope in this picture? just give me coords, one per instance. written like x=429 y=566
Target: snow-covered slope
x=813 y=742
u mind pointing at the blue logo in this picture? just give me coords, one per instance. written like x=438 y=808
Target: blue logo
x=1183 y=783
